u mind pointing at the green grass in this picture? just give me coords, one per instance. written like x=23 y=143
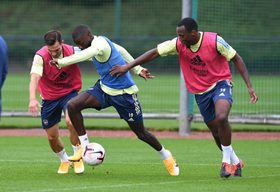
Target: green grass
x=159 y=95
x=28 y=164
x=119 y=124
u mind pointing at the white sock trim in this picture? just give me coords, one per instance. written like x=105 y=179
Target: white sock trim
x=164 y=154
x=84 y=140
x=227 y=150
x=62 y=155
x=234 y=159
x=75 y=149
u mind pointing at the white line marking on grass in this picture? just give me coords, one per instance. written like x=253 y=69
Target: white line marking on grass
x=132 y=163
x=146 y=184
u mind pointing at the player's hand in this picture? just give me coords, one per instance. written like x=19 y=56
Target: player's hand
x=145 y=74
x=53 y=62
x=119 y=70
x=32 y=109
x=253 y=95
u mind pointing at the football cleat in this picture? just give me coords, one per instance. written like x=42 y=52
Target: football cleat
x=236 y=169
x=171 y=165
x=63 y=168
x=77 y=156
x=79 y=167
x=225 y=170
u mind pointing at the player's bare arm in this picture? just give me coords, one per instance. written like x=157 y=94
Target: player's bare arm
x=240 y=65
x=33 y=103
x=145 y=58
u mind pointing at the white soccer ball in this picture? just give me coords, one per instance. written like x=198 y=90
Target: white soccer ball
x=93 y=154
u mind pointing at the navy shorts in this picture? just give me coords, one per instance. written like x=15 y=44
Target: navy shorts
x=127 y=105
x=206 y=101
x=51 y=110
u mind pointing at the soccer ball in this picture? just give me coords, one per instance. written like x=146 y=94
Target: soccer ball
x=93 y=154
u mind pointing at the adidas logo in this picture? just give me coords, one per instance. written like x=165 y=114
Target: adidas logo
x=197 y=61
x=62 y=76
x=130 y=119
x=222 y=94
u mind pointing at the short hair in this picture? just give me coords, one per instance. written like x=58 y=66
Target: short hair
x=189 y=24
x=52 y=36
x=79 y=32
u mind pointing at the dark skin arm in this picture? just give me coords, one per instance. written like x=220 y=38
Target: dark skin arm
x=145 y=58
x=144 y=73
x=153 y=53
x=240 y=65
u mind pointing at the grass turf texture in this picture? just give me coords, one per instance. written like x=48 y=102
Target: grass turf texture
x=120 y=124
x=28 y=164
x=15 y=97
x=159 y=95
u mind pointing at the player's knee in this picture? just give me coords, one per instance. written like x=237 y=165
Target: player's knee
x=53 y=138
x=145 y=136
x=69 y=124
x=70 y=106
x=141 y=132
x=142 y=136
x=222 y=119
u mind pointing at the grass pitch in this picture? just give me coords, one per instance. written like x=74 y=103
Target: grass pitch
x=28 y=164
x=159 y=95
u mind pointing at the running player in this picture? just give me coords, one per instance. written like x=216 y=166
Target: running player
x=204 y=57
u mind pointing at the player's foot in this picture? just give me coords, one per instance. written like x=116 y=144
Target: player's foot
x=225 y=170
x=63 y=168
x=171 y=165
x=79 y=167
x=77 y=156
x=236 y=169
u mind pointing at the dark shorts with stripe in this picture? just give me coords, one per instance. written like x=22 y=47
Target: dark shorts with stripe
x=127 y=105
x=206 y=101
x=51 y=110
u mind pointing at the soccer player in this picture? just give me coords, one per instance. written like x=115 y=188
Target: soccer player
x=119 y=92
x=204 y=57
x=56 y=86
x=3 y=66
